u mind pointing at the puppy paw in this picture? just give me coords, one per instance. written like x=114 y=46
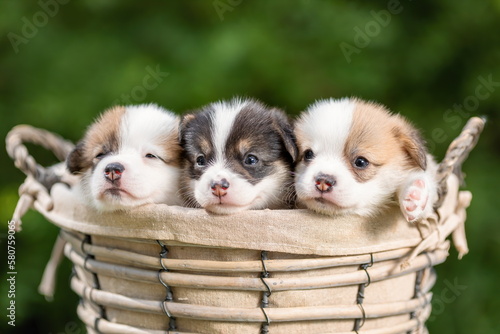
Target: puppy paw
x=414 y=200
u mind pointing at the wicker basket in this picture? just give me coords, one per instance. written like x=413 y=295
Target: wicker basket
x=161 y=269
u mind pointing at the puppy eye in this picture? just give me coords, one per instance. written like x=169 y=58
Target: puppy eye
x=100 y=155
x=361 y=163
x=308 y=155
x=201 y=161
x=151 y=156
x=251 y=160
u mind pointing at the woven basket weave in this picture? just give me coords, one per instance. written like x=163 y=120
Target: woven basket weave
x=161 y=269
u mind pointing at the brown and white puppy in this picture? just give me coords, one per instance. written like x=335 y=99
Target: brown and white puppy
x=238 y=155
x=129 y=156
x=356 y=157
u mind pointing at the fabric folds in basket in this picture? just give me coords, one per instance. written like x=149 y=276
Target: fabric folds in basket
x=289 y=231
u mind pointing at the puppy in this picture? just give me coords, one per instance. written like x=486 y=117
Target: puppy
x=129 y=157
x=356 y=157
x=238 y=155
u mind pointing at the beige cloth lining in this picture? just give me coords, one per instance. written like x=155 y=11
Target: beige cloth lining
x=289 y=231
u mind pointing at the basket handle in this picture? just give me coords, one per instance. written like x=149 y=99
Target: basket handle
x=16 y=149
x=457 y=153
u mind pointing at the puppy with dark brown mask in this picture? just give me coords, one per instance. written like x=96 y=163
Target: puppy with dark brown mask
x=239 y=156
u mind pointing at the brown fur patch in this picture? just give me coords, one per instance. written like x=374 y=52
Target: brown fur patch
x=381 y=138
x=171 y=147
x=411 y=142
x=244 y=145
x=205 y=146
x=101 y=137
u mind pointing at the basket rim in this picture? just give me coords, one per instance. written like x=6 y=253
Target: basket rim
x=306 y=232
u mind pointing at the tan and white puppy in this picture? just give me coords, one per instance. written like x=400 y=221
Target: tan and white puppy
x=129 y=156
x=356 y=157
x=238 y=156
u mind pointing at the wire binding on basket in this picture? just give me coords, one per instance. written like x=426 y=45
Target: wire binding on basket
x=169 y=295
x=265 y=294
x=361 y=295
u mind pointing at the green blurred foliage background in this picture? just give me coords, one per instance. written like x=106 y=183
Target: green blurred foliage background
x=63 y=62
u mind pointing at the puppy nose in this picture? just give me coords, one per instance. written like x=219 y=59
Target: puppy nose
x=219 y=187
x=113 y=171
x=325 y=183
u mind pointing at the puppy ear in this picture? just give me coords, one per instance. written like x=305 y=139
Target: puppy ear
x=75 y=159
x=284 y=127
x=412 y=143
x=183 y=125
